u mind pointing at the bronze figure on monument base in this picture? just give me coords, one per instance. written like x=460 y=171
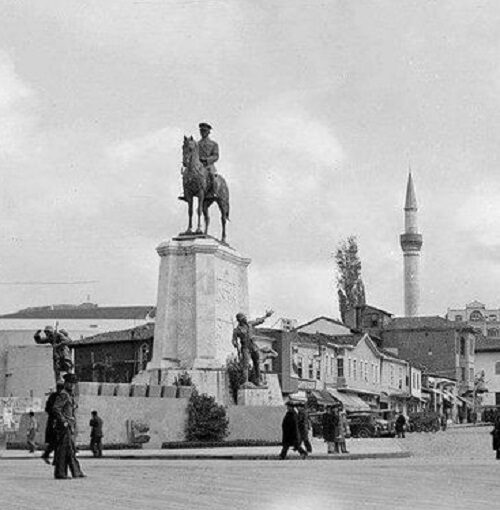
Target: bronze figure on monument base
x=243 y=341
x=200 y=180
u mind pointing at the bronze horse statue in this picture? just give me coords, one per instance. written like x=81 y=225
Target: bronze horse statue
x=195 y=184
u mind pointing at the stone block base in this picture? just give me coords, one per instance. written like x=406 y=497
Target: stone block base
x=268 y=395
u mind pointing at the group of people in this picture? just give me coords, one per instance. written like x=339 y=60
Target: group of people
x=60 y=431
x=296 y=426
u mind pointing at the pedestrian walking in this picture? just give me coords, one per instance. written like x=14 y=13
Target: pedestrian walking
x=496 y=435
x=64 y=413
x=291 y=436
x=96 y=434
x=400 y=425
x=444 y=422
x=304 y=426
x=330 y=425
x=50 y=427
x=31 y=433
x=344 y=431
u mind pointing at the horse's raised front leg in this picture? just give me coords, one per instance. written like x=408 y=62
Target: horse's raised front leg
x=201 y=198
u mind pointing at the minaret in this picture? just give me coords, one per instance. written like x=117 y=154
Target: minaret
x=411 y=243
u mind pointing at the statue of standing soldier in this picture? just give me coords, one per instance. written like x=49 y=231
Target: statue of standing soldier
x=61 y=354
x=247 y=348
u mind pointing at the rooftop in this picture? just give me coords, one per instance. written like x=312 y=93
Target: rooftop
x=433 y=322
x=143 y=332
x=83 y=311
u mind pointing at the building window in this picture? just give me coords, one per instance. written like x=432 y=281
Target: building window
x=459 y=318
x=462 y=346
x=463 y=373
x=497 y=368
x=332 y=361
x=392 y=375
x=366 y=371
x=374 y=320
x=311 y=369
x=349 y=368
x=476 y=316
x=400 y=382
x=471 y=374
x=318 y=369
x=354 y=370
x=340 y=367
x=373 y=373
x=492 y=332
x=299 y=368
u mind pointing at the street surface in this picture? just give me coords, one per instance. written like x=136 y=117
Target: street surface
x=455 y=469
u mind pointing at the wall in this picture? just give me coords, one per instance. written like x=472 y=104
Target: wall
x=363 y=353
x=27 y=371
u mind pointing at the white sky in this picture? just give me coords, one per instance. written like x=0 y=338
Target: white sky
x=318 y=108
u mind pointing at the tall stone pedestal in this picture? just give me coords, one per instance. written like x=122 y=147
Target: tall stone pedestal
x=202 y=285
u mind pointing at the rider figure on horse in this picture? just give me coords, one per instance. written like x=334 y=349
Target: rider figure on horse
x=209 y=154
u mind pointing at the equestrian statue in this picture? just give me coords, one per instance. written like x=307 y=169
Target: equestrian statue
x=200 y=180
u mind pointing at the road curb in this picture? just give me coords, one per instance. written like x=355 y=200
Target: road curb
x=349 y=456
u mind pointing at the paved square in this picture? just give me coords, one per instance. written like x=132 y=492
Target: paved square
x=454 y=469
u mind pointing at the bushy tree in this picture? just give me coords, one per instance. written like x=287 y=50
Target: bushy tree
x=350 y=287
x=207 y=420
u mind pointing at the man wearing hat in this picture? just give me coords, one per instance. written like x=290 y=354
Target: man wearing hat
x=209 y=154
x=291 y=435
x=61 y=354
x=50 y=427
x=247 y=347
x=65 y=423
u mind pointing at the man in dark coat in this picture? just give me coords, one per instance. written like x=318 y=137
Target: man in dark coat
x=96 y=434
x=400 y=425
x=330 y=423
x=291 y=436
x=496 y=435
x=64 y=413
x=304 y=426
x=50 y=427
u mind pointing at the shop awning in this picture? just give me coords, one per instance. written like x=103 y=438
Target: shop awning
x=322 y=397
x=349 y=401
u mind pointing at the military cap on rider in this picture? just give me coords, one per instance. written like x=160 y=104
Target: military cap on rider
x=202 y=125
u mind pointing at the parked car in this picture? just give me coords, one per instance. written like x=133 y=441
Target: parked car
x=369 y=424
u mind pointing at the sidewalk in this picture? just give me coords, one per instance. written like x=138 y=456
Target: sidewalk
x=358 y=449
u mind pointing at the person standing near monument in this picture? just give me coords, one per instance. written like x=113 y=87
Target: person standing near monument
x=291 y=435
x=330 y=422
x=64 y=413
x=31 y=433
x=304 y=426
x=247 y=348
x=61 y=354
x=50 y=428
x=96 y=434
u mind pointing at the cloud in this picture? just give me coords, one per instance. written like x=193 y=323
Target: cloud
x=16 y=100
x=162 y=141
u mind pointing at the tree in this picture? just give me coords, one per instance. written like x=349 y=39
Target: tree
x=350 y=287
x=207 y=420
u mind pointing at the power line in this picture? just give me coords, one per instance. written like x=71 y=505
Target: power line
x=81 y=282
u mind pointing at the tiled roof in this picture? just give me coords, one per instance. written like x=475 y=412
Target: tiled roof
x=143 y=332
x=431 y=322
x=77 y=312
x=487 y=344
x=322 y=317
